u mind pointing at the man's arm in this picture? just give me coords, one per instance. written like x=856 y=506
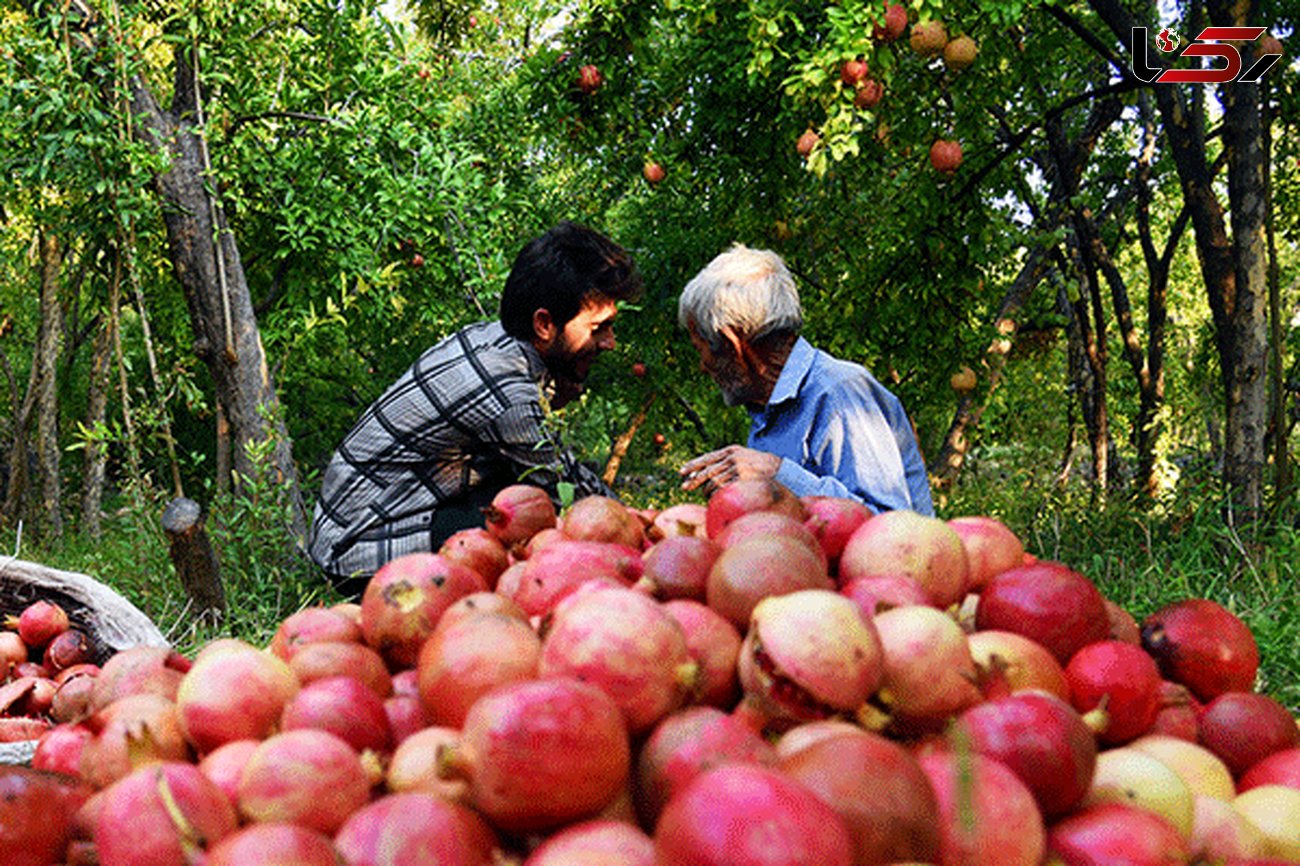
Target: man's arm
x=520 y=437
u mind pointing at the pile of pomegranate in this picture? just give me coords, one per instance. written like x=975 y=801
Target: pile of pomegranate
x=762 y=679
x=46 y=666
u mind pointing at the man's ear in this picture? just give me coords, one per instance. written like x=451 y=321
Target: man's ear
x=737 y=347
x=544 y=330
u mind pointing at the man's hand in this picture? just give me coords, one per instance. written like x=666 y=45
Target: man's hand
x=733 y=463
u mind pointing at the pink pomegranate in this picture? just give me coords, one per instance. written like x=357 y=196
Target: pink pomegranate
x=40 y=622
x=224 y=765
x=12 y=652
x=986 y=814
x=312 y=625
x=481 y=602
x=1041 y=739
x=156 y=670
x=809 y=655
x=540 y=754
x=907 y=543
x=600 y=518
x=72 y=698
x=479 y=550
x=769 y=523
x=405 y=598
x=406 y=715
x=60 y=748
x=687 y=518
x=344 y=706
x=879 y=790
x=1280 y=768
x=307 y=777
x=742 y=813
x=802 y=736
x=686 y=744
x=1047 y=602
x=875 y=595
x=595 y=842
x=469 y=657
x=1244 y=728
x=410 y=828
x=832 y=519
x=714 y=645
x=414 y=765
x=129 y=733
x=991 y=548
x=1110 y=833
x=678 y=567
x=235 y=692
x=741 y=497
x=1010 y=663
x=273 y=845
x=1202 y=645
x=1220 y=833
x=753 y=569
x=626 y=644
x=929 y=672
x=172 y=810
x=519 y=512
x=558 y=569
x=316 y=661
x=1125 y=678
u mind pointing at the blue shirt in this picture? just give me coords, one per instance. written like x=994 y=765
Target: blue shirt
x=839 y=432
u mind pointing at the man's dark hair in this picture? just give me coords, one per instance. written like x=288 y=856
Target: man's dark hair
x=559 y=272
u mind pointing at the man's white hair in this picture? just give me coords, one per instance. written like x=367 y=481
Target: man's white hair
x=750 y=291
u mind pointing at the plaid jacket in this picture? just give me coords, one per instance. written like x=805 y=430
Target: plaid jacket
x=469 y=410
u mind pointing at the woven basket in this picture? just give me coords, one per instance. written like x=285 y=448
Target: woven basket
x=110 y=621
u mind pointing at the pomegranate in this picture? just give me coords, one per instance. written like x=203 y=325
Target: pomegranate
x=156 y=670
x=929 y=38
x=741 y=497
x=313 y=625
x=1041 y=739
x=540 y=754
x=929 y=672
x=1279 y=768
x=1221 y=833
x=991 y=548
x=12 y=652
x=853 y=71
x=27 y=696
x=878 y=789
x=1202 y=645
x=1123 y=627
x=687 y=518
x=986 y=814
x=960 y=53
x=414 y=765
x=406 y=715
x=344 y=706
x=809 y=655
x=526 y=549
x=129 y=733
x=678 y=567
x=470 y=656
x=479 y=550
x=1047 y=602
x=172 y=810
x=1274 y=810
x=72 y=699
x=626 y=644
x=832 y=519
x=742 y=813
x=600 y=518
x=1244 y=728
x=232 y=693
x=36 y=815
x=1110 y=833
x=756 y=568
x=945 y=155
x=409 y=828
x=907 y=543
x=59 y=749
x=480 y=602
x=519 y=512
x=590 y=79
x=316 y=661
x=40 y=622
x=686 y=744
x=307 y=777
x=802 y=736
x=1125 y=775
x=558 y=569
x=405 y=598
x=714 y=645
x=595 y=842
x=806 y=142
x=67 y=648
x=273 y=845
x=1203 y=773
x=1010 y=663
x=893 y=25
x=769 y=523
x=1125 y=679
x=653 y=172
x=874 y=595
x=224 y=765
x=869 y=94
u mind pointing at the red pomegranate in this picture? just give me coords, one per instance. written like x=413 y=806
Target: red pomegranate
x=767 y=524
x=540 y=754
x=233 y=692
x=479 y=550
x=802 y=736
x=741 y=813
x=40 y=622
x=60 y=748
x=1123 y=677
x=832 y=519
x=714 y=645
x=1244 y=728
x=945 y=155
x=66 y=649
x=555 y=571
x=37 y=810
x=273 y=845
x=405 y=598
x=600 y=518
x=741 y=497
x=595 y=842
x=330 y=659
x=343 y=706
x=894 y=24
x=518 y=512
x=1047 y=602
x=172 y=810
x=129 y=733
x=469 y=657
x=157 y=670
x=929 y=672
x=907 y=543
x=1279 y=768
x=991 y=548
x=678 y=567
x=753 y=569
x=875 y=595
x=308 y=777
x=410 y=828
x=1010 y=663
x=987 y=817
x=313 y=625
x=1202 y=645
x=879 y=790
x=224 y=765
x=1108 y=833
x=414 y=766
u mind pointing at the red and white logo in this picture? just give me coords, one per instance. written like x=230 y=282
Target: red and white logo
x=1210 y=42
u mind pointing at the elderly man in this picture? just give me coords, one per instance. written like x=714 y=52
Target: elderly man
x=820 y=425
x=468 y=417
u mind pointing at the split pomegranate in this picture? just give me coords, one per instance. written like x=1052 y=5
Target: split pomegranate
x=172 y=810
x=907 y=543
x=518 y=512
x=405 y=598
x=741 y=497
x=307 y=777
x=1244 y=728
x=410 y=828
x=987 y=817
x=1202 y=645
x=1125 y=679
x=753 y=569
x=687 y=518
x=1047 y=602
x=713 y=643
x=465 y=659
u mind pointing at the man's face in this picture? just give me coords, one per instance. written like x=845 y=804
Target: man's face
x=570 y=354
x=725 y=368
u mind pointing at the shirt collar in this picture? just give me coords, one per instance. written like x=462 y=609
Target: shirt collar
x=793 y=373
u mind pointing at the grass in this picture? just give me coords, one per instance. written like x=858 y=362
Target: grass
x=1140 y=559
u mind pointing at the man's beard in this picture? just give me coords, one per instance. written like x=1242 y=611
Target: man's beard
x=571 y=366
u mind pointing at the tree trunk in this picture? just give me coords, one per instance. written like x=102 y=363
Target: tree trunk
x=96 y=454
x=47 y=396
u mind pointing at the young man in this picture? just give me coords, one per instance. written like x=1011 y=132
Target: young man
x=820 y=425
x=468 y=417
